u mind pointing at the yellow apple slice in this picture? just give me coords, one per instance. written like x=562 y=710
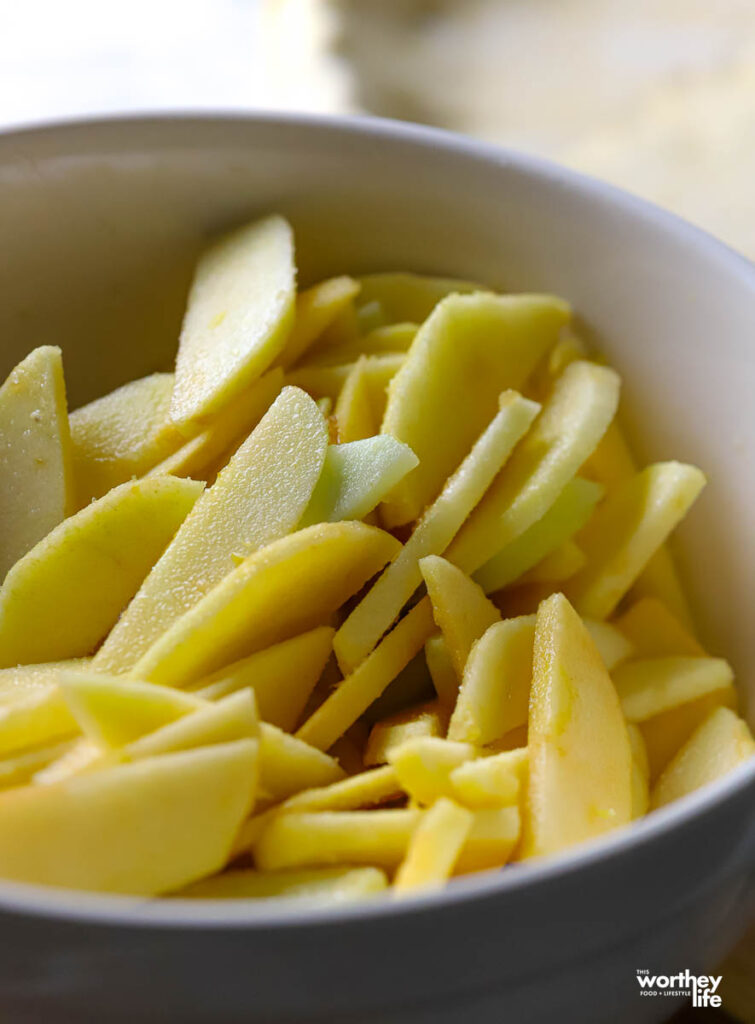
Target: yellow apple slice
x=233 y=424
x=423 y=765
x=320 y=885
x=649 y=686
x=492 y=840
x=35 y=454
x=316 y=308
x=282 y=677
x=572 y=422
x=627 y=530
x=21 y=680
x=568 y=514
x=442 y=672
x=258 y=497
x=62 y=597
x=495 y=688
x=286 y=588
x=717 y=747
x=355 y=477
x=289 y=765
x=434 y=848
x=490 y=782
x=575 y=725
x=469 y=350
x=613 y=645
x=122 y=435
x=327 y=381
x=389 y=734
x=142 y=829
x=380 y=607
x=83 y=755
x=409 y=297
x=354 y=413
x=113 y=712
x=379 y=341
x=19 y=768
x=358 y=690
x=656 y=632
x=460 y=608
x=40 y=715
x=232 y=718
x=560 y=565
x=240 y=312
x=366 y=789
x=666 y=733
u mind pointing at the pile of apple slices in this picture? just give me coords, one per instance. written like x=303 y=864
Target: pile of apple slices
x=369 y=592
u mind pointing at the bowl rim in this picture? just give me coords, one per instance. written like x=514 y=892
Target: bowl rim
x=69 y=905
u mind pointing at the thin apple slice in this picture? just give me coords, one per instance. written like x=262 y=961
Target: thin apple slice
x=366 y=789
x=390 y=733
x=286 y=588
x=316 y=308
x=571 y=423
x=469 y=350
x=122 y=435
x=627 y=530
x=258 y=497
x=434 y=848
x=232 y=425
x=282 y=677
x=575 y=724
x=656 y=632
x=381 y=605
x=327 y=381
x=64 y=595
x=19 y=768
x=409 y=297
x=460 y=608
x=319 y=885
x=40 y=715
x=717 y=747
x=423 y=766
x=239 y=315
x=493 y=781
x=142 y=829
x=113 y=712
x=650 y=686
x=37 y=490
x=568 y=514
x=288 y=765
x=441 y=668
x=355 y=477
x=232 y=718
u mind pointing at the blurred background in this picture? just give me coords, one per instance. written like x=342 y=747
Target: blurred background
x=655 y=95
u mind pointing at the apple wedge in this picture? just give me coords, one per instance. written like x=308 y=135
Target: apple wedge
x=390 y=733
x=286 y=588
x=239 y=315
x=258 y=497
x=575 y=725
x=434 y=848
x=381 y=605
x=232 y=718
x=288 y=765
x=469 y=350
x=627 y=530
x=64 y=595
x=37 y=490
x=573 y=420
x=122 y=435
x=355 y=477
x=142 y=829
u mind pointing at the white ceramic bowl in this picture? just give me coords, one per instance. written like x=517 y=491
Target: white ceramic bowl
x=99 y=224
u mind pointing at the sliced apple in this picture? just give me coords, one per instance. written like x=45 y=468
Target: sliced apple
x=289 y=765
x=327 y=381
x=469 y=350
x=122 y=435
x=656 y=632
x=37 y=492
x=286 y=588
x=316 y=308
x=568 y=514
x=627 y=530
x=113 y=712
x=142 y=829
x=410 y=297
x=355 y=477
x=258 y=497
x=358 y=690
x=460 y=608
x=572 y=422
x=64 y=595
x=434 y=848
x=19 y=768
x=423 y=765
x=282 y=677
x=575 y=724
x=197 y=456
x=380 y=607
x=320 y=885
x=649 y=686
x=717 y=747
x=239 y=315
x=354 y=413
x=231 y=718
x=493 y=781
x=366 y=789
x=666 y=733
x=390 y=733
x=40 y=715
x=442 y=672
